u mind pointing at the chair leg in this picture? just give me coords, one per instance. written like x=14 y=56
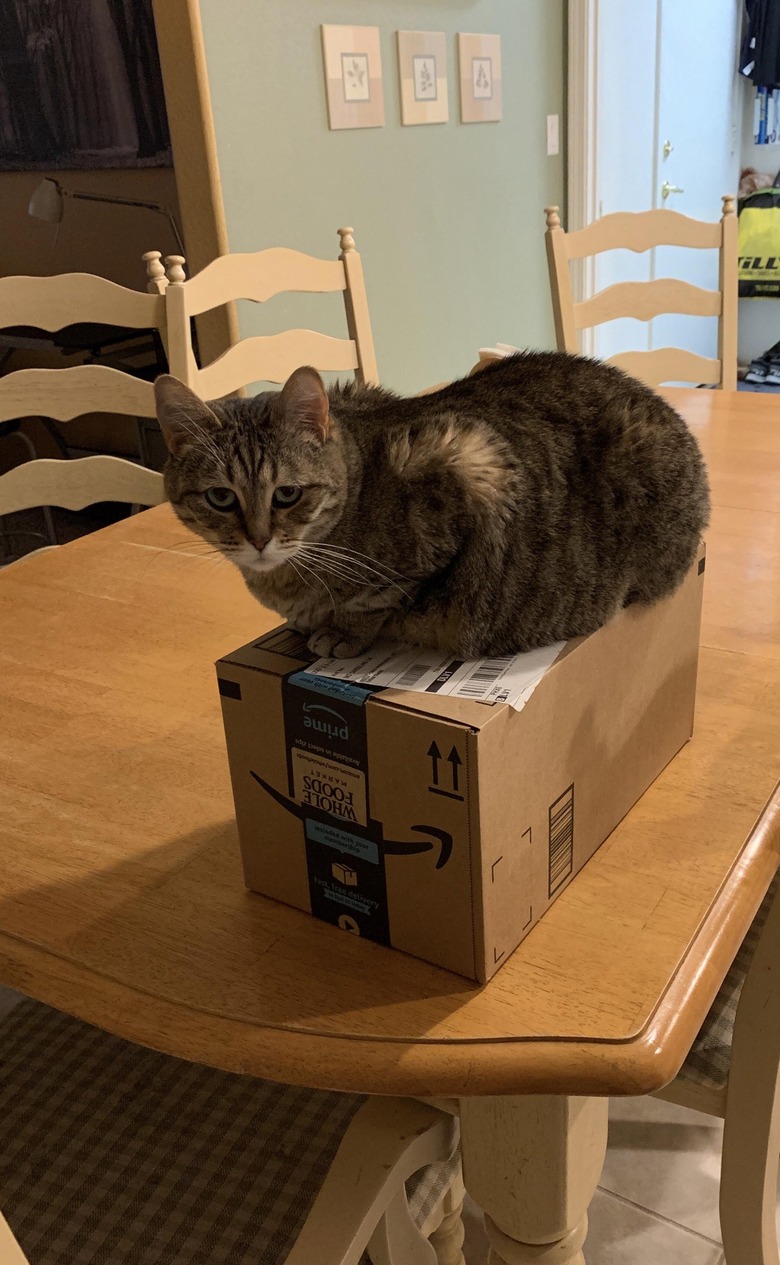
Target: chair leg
x=48 y=517
x=751 y=1134
x=53 y=430
x=748 y=1190
x=387 y=1141
x=397 y=1240
x=447 y=1238
x=143 y=447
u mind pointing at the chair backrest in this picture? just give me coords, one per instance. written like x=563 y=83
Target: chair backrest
x=643 y=300
x=272 y=358
x=74 y=485
x=52 y=303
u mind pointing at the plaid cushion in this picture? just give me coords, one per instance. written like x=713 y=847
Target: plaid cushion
x=111 y=1153
x=708 y=1062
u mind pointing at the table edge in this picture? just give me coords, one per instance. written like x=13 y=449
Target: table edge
x=639 y=1064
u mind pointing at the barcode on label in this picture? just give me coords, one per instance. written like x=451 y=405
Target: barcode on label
x=561 y=839
x=476 y=685
x=414 y=673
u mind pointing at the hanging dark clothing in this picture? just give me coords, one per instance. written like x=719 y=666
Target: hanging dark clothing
x=760 y=54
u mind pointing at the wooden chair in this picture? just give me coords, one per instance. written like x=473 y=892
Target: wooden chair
x=112 y=1150
x=52 y=303
x=272 y=358
x=733 y=1071
x=74 y=485
x=643 y=300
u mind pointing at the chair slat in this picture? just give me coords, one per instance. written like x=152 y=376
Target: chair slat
x=258 y=277
x=63 y=394
x=273 y=358
x=643 y=300
x=74 y=485
x=51 y=303
x=668 y=364
x=640 y=231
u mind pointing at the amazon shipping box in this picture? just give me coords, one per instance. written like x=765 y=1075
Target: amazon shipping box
x=440 y=807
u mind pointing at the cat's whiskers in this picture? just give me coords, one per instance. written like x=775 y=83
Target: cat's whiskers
x=336 y=569
x=322 y=582
x=358 y=554
x=349 y=569
x=343 y=560
x=188 y=548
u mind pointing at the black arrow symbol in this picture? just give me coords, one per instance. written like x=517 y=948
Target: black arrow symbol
x=454 y=759
x=435 y=754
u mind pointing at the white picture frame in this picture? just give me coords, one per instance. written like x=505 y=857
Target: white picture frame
x=481 y=99
x=422 y=72
x=353 y=76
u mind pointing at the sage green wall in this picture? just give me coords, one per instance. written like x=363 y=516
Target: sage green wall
x=448 y=217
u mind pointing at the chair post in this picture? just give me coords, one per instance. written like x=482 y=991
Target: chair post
x=356 y=305
x=181 y=360
x=156 y=279
x=751 y=1138
x=560 y=283
x=729 y=290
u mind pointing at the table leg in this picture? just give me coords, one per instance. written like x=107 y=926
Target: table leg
x=533 y=1164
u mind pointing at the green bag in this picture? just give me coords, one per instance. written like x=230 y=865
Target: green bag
x=759 y=244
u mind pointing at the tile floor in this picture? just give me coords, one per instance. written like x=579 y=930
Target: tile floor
x=658 y=1196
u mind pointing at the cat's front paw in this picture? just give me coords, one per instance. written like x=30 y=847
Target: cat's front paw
x=332 y=643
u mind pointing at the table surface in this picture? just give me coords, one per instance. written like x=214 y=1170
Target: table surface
x=121 y=897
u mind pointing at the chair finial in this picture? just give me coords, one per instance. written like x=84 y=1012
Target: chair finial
x=553 y=217
x=174 y=269
x=347 y=240
x=154 y=270
x=728 y=204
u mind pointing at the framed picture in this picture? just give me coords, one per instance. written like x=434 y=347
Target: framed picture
x=480 y=78
x=422 y=69
x=353 y=76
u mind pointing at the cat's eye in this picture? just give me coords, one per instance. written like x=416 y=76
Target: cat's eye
x=287 y=495
x=223 y=499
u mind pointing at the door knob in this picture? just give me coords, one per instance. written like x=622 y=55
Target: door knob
x=667 y=188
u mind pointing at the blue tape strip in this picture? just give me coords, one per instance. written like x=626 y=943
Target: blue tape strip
x=330 y=687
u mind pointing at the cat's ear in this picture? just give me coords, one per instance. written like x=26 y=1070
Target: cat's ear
x=304 y=402
x=181 y=413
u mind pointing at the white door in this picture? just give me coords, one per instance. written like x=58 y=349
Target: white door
x=697 y=150
x=626 y=79
x=666 y=114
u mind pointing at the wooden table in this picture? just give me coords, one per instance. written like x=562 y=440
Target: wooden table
x=121 y=898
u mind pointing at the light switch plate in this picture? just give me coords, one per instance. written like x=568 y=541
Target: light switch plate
x=553 y=135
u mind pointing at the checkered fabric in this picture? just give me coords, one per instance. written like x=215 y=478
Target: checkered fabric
x=111 y=1154
x=708 y=1062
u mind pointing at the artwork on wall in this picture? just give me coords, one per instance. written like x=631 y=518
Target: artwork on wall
x=480 y=78
x=353 y=76
x=422 y=68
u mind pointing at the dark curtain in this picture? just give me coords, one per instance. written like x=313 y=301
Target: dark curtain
x=80 y=85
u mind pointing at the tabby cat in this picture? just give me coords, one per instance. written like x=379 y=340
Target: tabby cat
x=522 y=505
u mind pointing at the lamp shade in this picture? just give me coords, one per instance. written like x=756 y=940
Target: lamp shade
x=46 y=202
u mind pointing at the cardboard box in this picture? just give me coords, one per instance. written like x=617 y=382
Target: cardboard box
x=441 y=826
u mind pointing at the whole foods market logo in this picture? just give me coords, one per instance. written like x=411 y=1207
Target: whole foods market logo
x=325 y=721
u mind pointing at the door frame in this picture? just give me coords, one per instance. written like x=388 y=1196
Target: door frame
x=195 y=160
x=582 y=133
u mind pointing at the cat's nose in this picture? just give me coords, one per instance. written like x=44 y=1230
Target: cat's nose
x=259 y=542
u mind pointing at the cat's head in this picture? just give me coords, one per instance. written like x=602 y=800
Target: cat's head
x=255 y=477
